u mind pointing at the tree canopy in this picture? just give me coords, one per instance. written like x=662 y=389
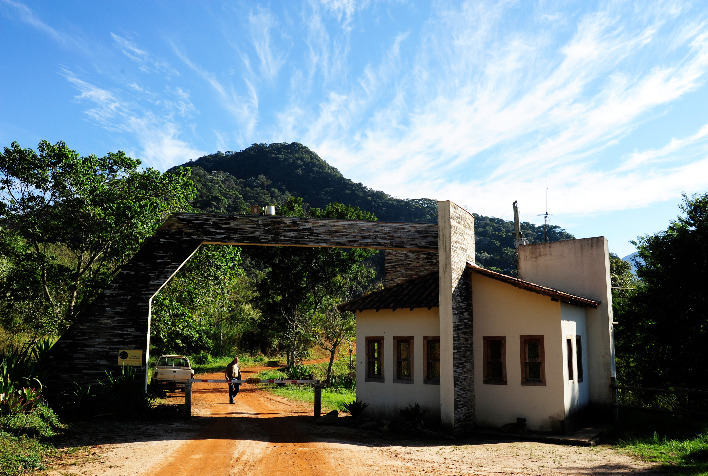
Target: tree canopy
x=662 y=335
x=69 y=221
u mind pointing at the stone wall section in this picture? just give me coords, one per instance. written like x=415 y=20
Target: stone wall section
x=402 y=265
x=462 y=249
x=120 y=317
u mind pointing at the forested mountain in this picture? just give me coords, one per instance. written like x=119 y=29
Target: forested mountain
x=268 y=174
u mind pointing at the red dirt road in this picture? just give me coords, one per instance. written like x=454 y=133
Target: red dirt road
x=265 y=434
x=259 y=434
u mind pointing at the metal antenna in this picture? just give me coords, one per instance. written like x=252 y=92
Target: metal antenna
x=545 y=216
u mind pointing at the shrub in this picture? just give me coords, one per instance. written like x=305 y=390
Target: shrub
x=298 y=372
x=39 y=422
x=355 y=408
x=414 y=414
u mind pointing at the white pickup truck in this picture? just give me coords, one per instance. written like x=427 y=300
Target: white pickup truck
x=172 y=372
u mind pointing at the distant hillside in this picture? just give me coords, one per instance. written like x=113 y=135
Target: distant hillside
x=267 y=174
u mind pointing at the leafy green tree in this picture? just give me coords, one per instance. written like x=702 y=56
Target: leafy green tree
x=663 y=326
x=333 y=327
x=206 y=306
x=68 y=222
x=297 y=281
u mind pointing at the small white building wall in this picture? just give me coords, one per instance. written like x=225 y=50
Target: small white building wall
x=580 y=267
x=503 y=310
x=573 y=323
x=387 y=398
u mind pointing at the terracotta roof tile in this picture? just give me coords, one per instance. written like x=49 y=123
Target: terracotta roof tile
x=420 y=292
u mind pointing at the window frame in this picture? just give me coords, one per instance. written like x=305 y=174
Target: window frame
x=380 y=359
x=570 y=350
x=487 y=378
x=579 y=357
x=398 y=361
x=427 y=379
x=524 y=340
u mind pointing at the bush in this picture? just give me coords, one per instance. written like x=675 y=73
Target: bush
x=118 y=395
x=298 y=372
x=355 y=408
x=414 y=414
x=39 y=422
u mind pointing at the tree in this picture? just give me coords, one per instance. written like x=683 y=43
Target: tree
x=334 y=327
x=663 y=329
x=69 y=222
x=298 y=281
x=206 y=306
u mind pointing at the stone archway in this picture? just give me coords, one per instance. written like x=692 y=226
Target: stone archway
x=120 y=317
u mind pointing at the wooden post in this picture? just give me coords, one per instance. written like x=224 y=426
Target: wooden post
x=188 y=399
x=318 y=399
x=615 y=401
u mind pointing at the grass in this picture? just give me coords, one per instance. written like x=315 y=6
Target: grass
x=332 y=398
x=679 y=445
x=25 y=440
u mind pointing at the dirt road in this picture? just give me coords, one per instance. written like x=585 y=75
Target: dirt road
x=265 y=434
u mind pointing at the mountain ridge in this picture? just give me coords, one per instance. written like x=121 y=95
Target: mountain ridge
x=269 y=174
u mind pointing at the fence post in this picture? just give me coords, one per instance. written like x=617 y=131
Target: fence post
x=318 y=399
x=615 y=400
x=188 y=399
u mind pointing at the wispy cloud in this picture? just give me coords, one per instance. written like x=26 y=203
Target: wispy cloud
x=242 y=107
x=157 y=134
x=31 y=18
x=502 y=110
x=146 y=62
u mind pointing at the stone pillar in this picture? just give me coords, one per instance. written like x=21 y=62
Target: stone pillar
x=455 y=249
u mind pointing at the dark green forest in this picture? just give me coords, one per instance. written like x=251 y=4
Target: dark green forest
x=269 y=174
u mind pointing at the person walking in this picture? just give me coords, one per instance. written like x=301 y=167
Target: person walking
x=233 y=372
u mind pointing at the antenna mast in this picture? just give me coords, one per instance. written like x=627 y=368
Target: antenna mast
x=545 y=217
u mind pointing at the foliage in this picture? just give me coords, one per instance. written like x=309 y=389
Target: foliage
x=39 y=422
x=68 y=222
x=206 y=306
x=298 y=283
x=22 y=455
x=355 y=408
x=414 y=414
x=679 y=444
x=118 y=395
x=273 y=173
x=662 y=334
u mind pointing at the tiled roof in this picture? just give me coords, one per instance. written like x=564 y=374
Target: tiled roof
x=536 y=288
x=420 y=292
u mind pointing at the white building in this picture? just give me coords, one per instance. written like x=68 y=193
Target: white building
x=476 y=347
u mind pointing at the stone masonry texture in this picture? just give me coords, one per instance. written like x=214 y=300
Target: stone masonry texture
x=120 y=317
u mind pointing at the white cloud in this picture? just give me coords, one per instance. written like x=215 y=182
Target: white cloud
x=30 y=17
x=158 y=135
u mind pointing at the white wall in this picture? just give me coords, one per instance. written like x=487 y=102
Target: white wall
x=387 y=398
x=504 y=310
x=581 y=267
x=577 y=394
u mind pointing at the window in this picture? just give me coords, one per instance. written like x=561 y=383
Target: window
x=569 y=351
x=579 y=357
x=533 y=370
x=374 y=359
x=404 y=359
x=432 y=360
x=494 y=360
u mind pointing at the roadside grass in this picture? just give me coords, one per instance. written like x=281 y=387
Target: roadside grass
x=680 y=445
x=218 y=364
x=25 y=440
x=334 y=397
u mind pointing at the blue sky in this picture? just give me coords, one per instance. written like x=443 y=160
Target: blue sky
x=599 y=106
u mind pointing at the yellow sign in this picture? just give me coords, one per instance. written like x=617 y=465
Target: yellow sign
x=130 y=357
